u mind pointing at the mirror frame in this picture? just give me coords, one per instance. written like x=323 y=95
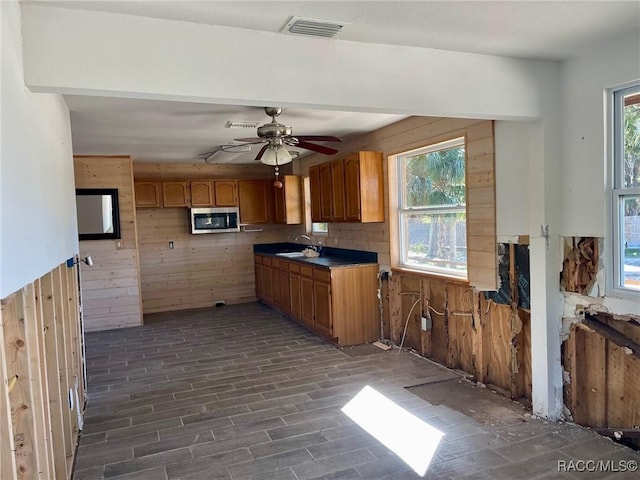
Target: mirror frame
x=115 y=213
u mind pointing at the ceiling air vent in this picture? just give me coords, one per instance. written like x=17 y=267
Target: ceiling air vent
x=313 y=27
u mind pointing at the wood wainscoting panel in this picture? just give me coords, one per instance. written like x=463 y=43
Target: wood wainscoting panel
x=111 y=287
x=199 y=269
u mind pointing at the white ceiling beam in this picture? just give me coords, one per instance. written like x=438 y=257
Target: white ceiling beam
x=97 y=53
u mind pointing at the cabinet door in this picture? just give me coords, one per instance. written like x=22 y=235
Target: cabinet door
x=266 y=284
x=148 y=194
x=285 y=291
x=288 y=200
x=325 y=193
x=259 y=279
x=314 y=186
x=276 y=298
x=175 y=194
x=306 y=293
x=337 y=190
x=253 y=201
x=226 y=193
x=202 y=193
x=322 y=303
x=352 y=188
x=280 y=205
x=295 y=296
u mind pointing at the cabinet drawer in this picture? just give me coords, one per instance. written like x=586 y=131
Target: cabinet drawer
x=306 y=271
x=294 y=267
x=322 y=275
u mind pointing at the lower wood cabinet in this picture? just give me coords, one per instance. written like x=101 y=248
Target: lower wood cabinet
x=339 y=304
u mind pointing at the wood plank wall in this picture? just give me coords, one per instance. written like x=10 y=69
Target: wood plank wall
x=111 y=288
x=412 y=133
x=603 y=389
x=41 y=364
x=490 y=341
x=200 y=269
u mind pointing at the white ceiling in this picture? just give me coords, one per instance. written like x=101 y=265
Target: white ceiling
x=170 y=131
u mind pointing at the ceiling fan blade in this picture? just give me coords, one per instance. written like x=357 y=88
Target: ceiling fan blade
x=319 y=138
x=261 y=152
x=316 y=148
x=250 y=140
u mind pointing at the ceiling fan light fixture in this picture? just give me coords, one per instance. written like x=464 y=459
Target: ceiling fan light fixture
x=276 y=155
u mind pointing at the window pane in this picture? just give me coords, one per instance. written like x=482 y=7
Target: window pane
x=631 y=148
x=631 y=245
x=435 y=241
x=435 y=178
x=320 y=227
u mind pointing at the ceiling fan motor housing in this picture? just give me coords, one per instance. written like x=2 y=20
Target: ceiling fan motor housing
x=273 y=130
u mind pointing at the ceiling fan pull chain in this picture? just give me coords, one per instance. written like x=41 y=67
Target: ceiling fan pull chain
x=277 y=183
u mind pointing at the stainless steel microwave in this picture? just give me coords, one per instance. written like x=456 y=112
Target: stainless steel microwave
x=214 y=220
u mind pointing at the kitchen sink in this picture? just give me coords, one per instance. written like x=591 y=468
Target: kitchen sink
x=291 y=254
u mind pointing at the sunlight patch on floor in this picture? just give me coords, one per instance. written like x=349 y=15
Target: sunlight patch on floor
x=409 y=437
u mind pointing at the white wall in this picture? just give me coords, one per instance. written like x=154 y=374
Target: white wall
x=37 y=197
x=512 y=179
x=585 y=79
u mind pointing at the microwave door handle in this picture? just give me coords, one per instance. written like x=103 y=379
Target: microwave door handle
x=227 y=225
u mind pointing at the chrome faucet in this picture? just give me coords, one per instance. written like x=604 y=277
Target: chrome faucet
x=304 y=236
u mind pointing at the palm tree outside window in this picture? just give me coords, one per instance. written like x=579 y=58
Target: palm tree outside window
x=432 y=208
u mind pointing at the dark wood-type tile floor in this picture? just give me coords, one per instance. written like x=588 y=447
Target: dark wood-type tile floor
x=240 y=392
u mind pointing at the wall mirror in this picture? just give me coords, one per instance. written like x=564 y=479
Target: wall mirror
x=98 y=213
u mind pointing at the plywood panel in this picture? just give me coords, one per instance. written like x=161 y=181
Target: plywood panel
x=523 y=344
x=440 y=324
x=497 y=341
x=410 y=293
x=460 y=314
x=603 y=390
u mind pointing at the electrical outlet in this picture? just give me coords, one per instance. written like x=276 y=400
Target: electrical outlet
x=425 y=323
x=119 y=245
x=170 y=245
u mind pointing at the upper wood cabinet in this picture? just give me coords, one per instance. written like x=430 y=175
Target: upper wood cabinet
x=148 y=194
x=226 y=193
x=253 y=199
x=326 y=194
x=288 y=200
x=314 y=184
x=363 y=187
x=337 y=190
x=175 y=194
x=350 y=189
x=202 y=193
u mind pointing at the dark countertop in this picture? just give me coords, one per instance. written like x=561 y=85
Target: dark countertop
x=330 y=258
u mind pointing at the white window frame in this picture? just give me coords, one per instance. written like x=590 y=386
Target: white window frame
x=403 y=210
x=619 y=192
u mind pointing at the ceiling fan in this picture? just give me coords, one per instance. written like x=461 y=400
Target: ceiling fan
x=277 y=137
